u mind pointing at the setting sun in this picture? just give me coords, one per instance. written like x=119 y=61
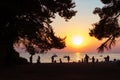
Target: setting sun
x=77 y=40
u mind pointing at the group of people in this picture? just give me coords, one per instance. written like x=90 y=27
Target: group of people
x=38 y=60
x=84 y=60
x=60 y=60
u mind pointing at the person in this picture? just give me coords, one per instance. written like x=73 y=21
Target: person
x=38 y=60
x=60 y=60
x=31 y=59
x=97 y=60
x=52 y=58
x=82 y=60
x=68 y=58
x=107 y=58
x=86 y=58
x=93 y=59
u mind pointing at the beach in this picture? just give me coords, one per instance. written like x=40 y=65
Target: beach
x=63 y=71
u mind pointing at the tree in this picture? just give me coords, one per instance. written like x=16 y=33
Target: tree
x=28 y=22
x=109 y=25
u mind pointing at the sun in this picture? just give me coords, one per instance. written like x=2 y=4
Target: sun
x=77 y=40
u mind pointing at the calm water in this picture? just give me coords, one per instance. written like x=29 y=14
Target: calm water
x=74 y=57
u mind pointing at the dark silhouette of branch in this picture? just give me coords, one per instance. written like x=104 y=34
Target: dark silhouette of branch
x=29 y=22
x=109 y=25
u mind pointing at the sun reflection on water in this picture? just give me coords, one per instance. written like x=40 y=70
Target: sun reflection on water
x=78 y=56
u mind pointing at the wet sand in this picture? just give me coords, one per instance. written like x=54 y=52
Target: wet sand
x=64 y=71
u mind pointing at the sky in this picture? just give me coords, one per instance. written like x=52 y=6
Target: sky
x=79 y=25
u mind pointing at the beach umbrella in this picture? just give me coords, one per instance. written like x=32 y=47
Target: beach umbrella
x=55 y=55
x=65 y=56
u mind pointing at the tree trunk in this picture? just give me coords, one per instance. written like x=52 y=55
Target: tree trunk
x=8 y=55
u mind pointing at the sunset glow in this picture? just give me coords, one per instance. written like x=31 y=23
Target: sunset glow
x=77 y=40
x=79 y=26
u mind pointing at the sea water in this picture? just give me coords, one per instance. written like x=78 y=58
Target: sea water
x=74 y=57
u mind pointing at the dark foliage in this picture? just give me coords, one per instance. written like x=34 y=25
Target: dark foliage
x=28 y=22
x=109 y=25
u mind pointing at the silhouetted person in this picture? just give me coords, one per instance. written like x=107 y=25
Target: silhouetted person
x=60 y=60
x=68 y=58
x=38 y=60
x=97 y=60
x=55 y=61
x=52 y=58
x=82 y=60
x=31 y=59
x=114 y=60
x=93 y=59
x=107 y=58
x=86 y=58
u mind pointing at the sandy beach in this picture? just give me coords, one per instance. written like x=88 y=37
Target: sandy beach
x=64 y=71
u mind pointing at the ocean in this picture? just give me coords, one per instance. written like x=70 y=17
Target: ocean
x=74 y=57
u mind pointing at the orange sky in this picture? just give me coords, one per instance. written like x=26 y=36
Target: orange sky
x=79 y=25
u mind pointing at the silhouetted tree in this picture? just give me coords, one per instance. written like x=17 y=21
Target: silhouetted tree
x=109 y=24
x=28 y=22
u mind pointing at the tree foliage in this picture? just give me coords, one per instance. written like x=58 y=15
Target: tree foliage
x=28 y=22
x=108 y=26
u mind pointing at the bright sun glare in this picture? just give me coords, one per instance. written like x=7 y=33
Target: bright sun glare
x=77 y=40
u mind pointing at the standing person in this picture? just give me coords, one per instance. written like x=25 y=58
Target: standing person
x=93 y=59
x=68 y=58
x=97 y=60
x=82 y=60
x=107 y=59
x=31 y=59
x=86 y=58
x=38 y=60
x=52 y=58
x=60 y=60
